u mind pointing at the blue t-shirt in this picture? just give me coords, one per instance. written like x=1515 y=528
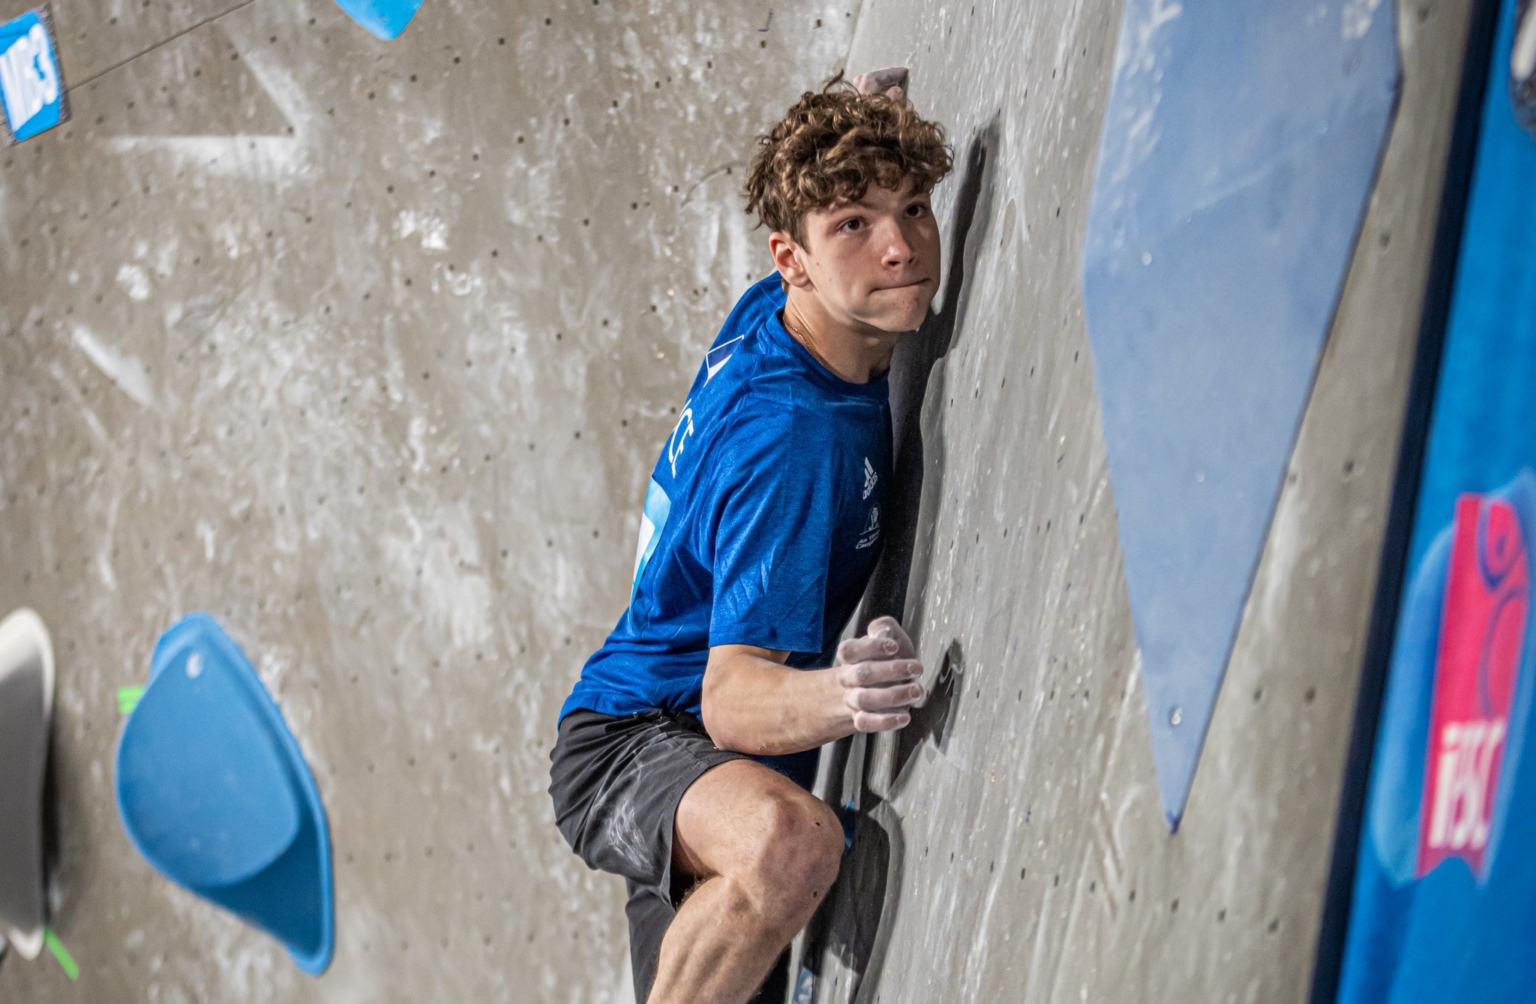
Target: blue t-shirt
x=761 y=523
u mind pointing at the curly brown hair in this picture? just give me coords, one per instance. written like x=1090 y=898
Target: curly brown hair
x=832 y=146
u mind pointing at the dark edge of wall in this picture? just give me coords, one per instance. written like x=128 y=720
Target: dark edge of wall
x=1421 y=396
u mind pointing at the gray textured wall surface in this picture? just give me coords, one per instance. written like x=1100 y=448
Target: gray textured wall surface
x=367 y=348
x=1014 y=849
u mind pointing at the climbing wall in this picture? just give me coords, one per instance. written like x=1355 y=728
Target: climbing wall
x=367 y=349
x=1012 y=845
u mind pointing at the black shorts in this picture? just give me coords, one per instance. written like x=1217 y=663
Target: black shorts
x=616 y=784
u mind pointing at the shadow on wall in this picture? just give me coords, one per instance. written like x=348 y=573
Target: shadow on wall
x=917 y=413
x=847 y=941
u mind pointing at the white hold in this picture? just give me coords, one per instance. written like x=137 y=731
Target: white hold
x=1523 y=61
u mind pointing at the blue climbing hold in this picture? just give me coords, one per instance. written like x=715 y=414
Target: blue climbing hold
x=384 y=19
x=214 y=791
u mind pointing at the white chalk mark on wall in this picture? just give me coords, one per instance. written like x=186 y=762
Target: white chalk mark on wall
x=1357 y=15
x=1138 y=52
x=127 y=372
x=432 y=230
x=134 y=282
x=257 y=157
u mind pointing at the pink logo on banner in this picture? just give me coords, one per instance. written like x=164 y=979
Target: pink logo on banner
x=1482 y=637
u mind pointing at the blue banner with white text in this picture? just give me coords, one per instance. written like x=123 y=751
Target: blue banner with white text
x=1444 y=901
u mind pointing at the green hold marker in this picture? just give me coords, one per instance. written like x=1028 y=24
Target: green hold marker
x=66 y=961
x=128 y=699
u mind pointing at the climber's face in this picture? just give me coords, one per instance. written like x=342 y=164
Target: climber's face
x=870 y=265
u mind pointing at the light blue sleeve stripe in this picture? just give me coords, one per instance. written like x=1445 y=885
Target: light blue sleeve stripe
x=652 y=521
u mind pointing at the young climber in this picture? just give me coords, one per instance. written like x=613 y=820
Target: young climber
x=687 y=747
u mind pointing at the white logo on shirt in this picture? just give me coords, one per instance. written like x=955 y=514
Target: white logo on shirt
x=716 y=358
x=871 y=530
x=680 y=436
x=870 y=478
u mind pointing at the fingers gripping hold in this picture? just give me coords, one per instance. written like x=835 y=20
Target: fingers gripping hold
x=891 y=81
x=885 y=699
x=879 y=673
x=866 y=721
x=890 y=628
x=884 y=639
x=857 y=650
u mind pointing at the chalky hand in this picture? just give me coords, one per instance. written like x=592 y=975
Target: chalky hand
x=879 y=675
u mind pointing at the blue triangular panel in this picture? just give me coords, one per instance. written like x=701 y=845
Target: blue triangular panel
x=1240 y=144
x=384 y=19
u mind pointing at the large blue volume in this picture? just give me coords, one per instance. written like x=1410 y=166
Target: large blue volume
x=1444 y=901
x=214 y=791
x=1240 y=145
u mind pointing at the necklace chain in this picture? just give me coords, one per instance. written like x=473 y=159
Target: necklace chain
x=800 y=335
